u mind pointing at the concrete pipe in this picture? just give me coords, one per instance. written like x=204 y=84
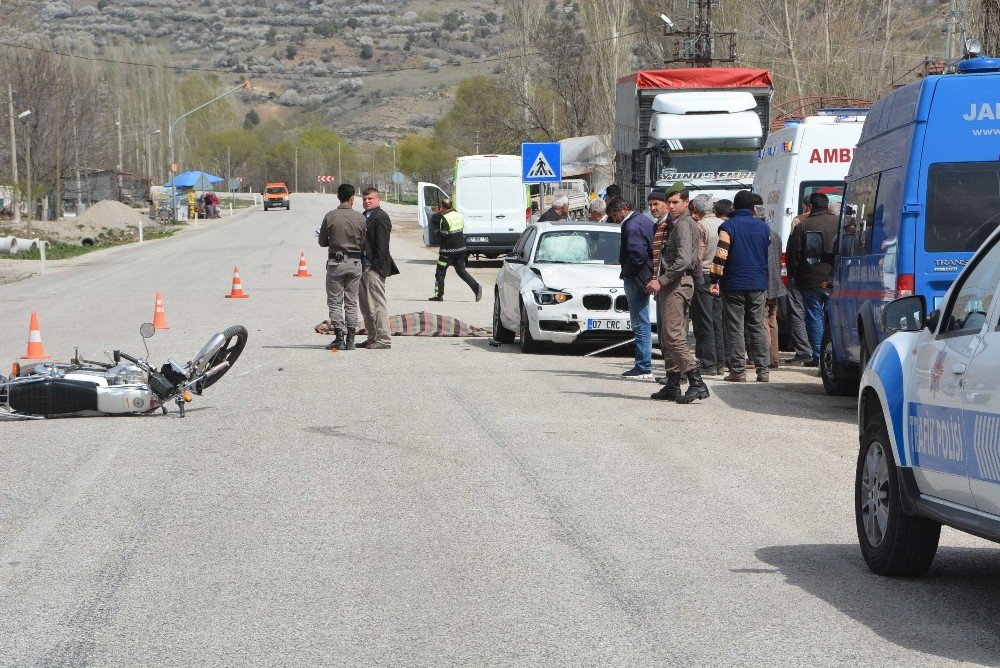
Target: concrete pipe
x=8 y=245
x=25 y=245
x=87 y=241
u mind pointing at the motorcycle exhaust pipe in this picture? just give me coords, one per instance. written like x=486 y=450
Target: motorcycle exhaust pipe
x=216 y=369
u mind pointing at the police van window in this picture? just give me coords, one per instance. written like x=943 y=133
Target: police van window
x=963 y=205
x=858 y=216
x=885 y=233
x=968 y=308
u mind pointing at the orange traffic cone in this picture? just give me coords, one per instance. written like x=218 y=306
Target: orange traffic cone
x=159 y=317
x=303 y=269
x=36 y=351
x=237 y=291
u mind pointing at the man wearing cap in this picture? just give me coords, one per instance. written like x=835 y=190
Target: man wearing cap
x=677 y=268
x=739 y=274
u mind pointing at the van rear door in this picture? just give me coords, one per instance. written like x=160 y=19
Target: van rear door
x=428 y=196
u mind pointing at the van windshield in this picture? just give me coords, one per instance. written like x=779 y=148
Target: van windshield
x=276 y=191
x=579 y=247
x=963 y=205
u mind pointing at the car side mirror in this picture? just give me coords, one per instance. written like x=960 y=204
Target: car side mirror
x=514 y=257
x=932 y=319
x=906 y=314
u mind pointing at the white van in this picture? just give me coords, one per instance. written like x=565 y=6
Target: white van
x=812 y=155
x=491 y=198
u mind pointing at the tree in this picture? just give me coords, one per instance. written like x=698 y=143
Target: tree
x=367 y=51
x=486 y=108
x=251 y=120
x=291 y=52
x=425 y=159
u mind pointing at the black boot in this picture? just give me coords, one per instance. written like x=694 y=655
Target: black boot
x=696 y=388
x=338 y=341
x=671 y=389
x=350 y=339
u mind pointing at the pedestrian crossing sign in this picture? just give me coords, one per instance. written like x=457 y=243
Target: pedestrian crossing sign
x=541 y=162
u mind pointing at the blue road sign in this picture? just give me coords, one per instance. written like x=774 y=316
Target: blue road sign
x=541 y=162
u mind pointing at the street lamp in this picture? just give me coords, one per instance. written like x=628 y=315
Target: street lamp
x=27 y=167
x=395 y=186
x=170 y=141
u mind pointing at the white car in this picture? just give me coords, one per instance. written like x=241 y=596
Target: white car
x=561 y=284
x=929 y=417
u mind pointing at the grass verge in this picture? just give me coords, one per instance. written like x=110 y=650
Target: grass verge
x=60 y=250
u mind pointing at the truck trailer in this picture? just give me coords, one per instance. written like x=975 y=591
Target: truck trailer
x=702 y=126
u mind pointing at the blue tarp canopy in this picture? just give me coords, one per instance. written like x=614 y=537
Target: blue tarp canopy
x=194 y=179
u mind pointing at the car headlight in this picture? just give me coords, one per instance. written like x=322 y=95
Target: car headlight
x=550 y=297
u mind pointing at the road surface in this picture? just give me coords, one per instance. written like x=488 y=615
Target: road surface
x=441 y=503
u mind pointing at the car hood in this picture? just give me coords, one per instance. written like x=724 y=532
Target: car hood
x=570 y=276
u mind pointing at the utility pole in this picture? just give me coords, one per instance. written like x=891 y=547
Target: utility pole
x=76 y=161
x=340 y=171
x=696 y=45
x=295 y=185
x=121 y=166
x=950 y=39
x=477 y=142
x=57 y=208
x=27 y=168
x=229 y=177
x=15 y=206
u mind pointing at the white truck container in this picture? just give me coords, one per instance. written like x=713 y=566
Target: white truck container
x=493 y=201
x=808 y=156
x=701 y=126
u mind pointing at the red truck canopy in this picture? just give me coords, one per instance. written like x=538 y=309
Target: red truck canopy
x=701 y=77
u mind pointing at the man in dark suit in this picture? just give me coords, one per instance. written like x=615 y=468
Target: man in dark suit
x=378 y=266
x=559 y=210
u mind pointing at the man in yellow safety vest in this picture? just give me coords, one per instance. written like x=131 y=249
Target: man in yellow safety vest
x=453 y=251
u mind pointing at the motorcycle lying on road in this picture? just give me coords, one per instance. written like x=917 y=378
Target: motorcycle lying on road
x=126 y=386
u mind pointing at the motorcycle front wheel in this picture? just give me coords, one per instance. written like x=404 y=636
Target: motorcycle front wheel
x=236 y=340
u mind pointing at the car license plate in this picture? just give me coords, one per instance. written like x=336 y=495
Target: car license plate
x=479 y=240
x=603 y=323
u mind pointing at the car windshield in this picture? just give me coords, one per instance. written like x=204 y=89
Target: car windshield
x=276 y=191
x=578 y=247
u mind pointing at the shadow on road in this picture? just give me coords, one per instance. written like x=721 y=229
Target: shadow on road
x=798 y=400
x=952 y=612
x=318 y=346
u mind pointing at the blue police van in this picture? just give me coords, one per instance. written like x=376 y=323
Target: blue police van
x=923 y=193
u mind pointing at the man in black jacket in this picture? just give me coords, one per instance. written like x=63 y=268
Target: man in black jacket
x=378 y=266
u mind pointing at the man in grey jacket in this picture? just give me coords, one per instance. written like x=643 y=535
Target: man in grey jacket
x=343 y=233
x=673 y=284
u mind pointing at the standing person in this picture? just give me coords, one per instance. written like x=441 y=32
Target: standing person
x=636 y=259
x=796 y=309
x=377 y=265
x=660 y=211
x=678 y=265
x=739 y=274
x=343 y=233
x=812 y=274
x=597 y=210
x=706 y=308
x=612 y=192
x=558 y=211
x=452 y=252
x=775 y=291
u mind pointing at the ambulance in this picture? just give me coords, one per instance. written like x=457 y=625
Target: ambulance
x=804 y=157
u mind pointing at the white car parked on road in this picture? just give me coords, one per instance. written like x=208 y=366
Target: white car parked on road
x=561 y=284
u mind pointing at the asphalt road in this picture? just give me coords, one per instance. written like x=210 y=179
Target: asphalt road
x=441 y=503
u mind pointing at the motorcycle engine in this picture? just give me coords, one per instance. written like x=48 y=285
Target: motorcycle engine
x=125 y=374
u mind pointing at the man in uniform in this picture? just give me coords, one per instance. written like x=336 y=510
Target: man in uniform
x=452 y=251
x=377 y=267
x=343 y=233
x=677 y=270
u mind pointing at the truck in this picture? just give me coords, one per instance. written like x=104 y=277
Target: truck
x=703 y=126
x=576 y=191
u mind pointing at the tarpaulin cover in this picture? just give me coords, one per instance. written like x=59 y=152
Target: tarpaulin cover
x=422 y=323
x=701 y=77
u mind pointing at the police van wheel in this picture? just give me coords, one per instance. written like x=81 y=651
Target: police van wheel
x=500 y=333
x=892 y=542
x=528 y=344
x=832 y=372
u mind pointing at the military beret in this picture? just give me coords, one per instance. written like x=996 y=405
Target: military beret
x=676 y=189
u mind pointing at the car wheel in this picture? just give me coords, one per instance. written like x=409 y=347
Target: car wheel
x=528 y=344
x=892 y=542
x=500 y=333
x=832 y=372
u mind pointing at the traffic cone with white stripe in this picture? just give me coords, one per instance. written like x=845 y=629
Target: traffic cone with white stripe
x=159 y=316
x=36 y=351
x=237 y=291
x=303 y=269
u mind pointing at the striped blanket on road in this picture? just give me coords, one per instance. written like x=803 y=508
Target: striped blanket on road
x=422 y=323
